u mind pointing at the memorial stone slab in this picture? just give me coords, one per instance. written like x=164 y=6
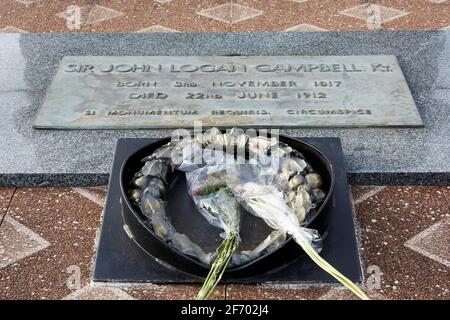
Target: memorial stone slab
x=372 y=155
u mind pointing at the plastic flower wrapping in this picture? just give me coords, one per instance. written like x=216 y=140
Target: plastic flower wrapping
x=228 y=175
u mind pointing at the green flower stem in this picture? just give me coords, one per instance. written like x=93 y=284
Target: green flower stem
x=328 y=267
x=224 y=253
x=322 y=263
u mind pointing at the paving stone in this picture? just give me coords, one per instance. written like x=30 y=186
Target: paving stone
x=5 y=198
x=157 y=28
x=224 y=15
x=358 y=191
x=89 y=14
x=12 y=29
x=344 y=294
x=304 y=27
x=345 y=15
x=93 y=292
x=390 y=219
x=95 y=194
x=230 y=13
x=433 y=242
x=273 y=292
x=394 y=223
x=38 y=16
x=174 y=15
x=68 y=222
x=18 y=242
x=170 y=292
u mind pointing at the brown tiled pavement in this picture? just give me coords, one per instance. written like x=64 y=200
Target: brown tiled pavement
x=5 y=199
x=390 y=221
x=47 y=232
x=221 y=15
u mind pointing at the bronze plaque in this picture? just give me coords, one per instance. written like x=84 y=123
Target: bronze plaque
x=135 y=92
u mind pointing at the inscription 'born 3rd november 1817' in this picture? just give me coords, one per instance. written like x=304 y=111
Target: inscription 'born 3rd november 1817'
x=270 y=91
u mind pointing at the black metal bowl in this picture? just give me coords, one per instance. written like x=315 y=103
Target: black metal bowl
x=186 y=219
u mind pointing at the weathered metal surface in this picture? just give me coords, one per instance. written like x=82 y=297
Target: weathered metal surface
x=95 y=92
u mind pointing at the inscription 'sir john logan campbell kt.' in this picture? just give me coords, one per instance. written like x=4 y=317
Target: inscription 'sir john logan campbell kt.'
x=282 y=91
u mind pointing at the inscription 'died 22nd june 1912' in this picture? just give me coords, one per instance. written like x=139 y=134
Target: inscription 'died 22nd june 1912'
x=268 y=91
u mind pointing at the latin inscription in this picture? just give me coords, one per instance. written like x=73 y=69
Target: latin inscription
x=283 y=91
